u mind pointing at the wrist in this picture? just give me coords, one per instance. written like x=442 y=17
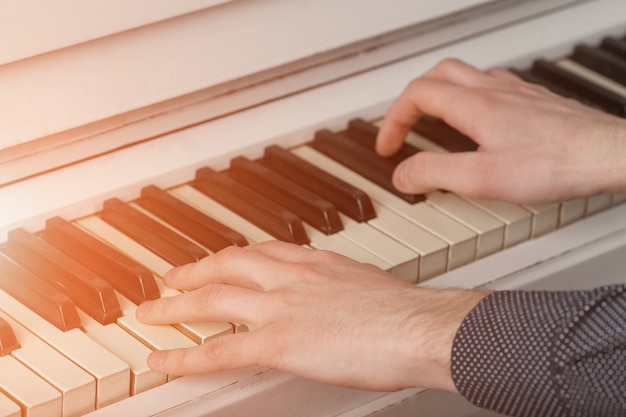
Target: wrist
x=440 y=314
x=608 y=168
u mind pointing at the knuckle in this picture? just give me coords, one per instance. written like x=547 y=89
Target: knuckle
x=207 y=296
x=225 y=256
x=449 y=63
x=324 y=257
x=215 y=349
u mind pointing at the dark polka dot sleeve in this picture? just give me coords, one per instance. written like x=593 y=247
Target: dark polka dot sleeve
x=532 y=353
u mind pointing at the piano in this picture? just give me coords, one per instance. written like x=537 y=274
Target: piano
x=107 y=107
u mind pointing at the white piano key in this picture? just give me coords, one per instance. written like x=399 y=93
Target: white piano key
x=489 y=230
x=77 y=387
x=36 y=397
x=423 y=143
x=586 y=73
x=8 y=407
x=572 y=210
x=517 y=220
x=127 y=348
x=404 y=261
x=344 y=246
x=545 y=217
x=598 y=203
x=617 y=199
x=157 y=337
x=433 y=251
x=461 y=240
x=112 y=375
x=211 y=207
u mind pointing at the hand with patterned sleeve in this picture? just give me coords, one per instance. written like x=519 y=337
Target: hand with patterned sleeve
x=312 y=313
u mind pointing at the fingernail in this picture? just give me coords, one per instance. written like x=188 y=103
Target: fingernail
x=399 y=177
x=142 y=311
x=155 y=359
x=171 y=274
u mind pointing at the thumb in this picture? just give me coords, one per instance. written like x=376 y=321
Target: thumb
x=462 y=172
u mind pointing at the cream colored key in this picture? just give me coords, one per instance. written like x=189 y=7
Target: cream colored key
x=340 y=244
x=112 y=375
x=545 y=218
x=36 y=397
x=404 y=261
x=127 y=348
x=597 y=203
x=422 y=143
x=489 y=230
x=77 y=387
x=8 y=407
x=158 y=337
x=229 y=218
x=433 y=252
x=517 y=220
x=461 y=240
x=617 y=199
x=596 y=78
x=571 y=211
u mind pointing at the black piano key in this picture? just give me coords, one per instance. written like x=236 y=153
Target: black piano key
x=8 y=341
x=195 y=224
x=257 y=209
x=612 y=103
x=602 y=62
x=442 y=134
x=313 y=209
x=158 y=238
x=87 y=290
x=39 y=296
x=614 y=46
x=361 y=160
x=349 y=200
x=131 y=279
x=366 y=133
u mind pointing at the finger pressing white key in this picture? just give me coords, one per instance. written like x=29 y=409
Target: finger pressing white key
x=461 y=240
x=154 y=337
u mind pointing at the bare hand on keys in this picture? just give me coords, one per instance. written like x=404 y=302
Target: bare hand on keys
x=313 y=313
x=534 y=146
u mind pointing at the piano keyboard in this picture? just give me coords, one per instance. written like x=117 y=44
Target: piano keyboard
x=69 y=342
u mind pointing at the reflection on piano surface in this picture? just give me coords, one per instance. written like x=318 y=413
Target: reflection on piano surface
x=129 y=203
